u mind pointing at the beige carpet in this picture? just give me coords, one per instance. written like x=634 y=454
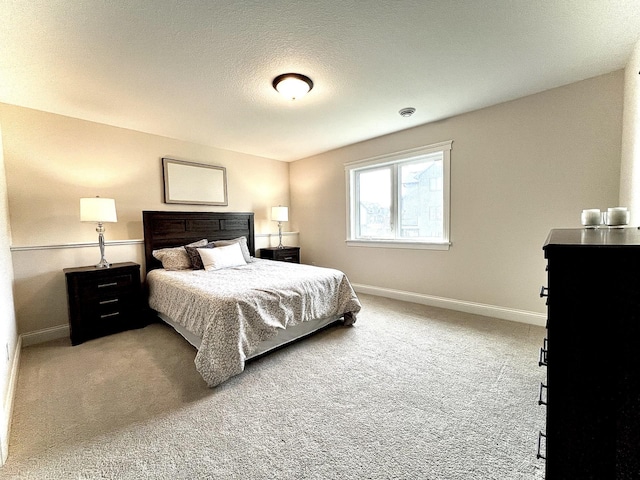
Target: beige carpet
x=410 y=392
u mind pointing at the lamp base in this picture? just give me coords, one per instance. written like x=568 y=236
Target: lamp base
x=103 y=263
x=280 y=235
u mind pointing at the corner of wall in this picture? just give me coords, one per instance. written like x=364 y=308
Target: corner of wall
x=9 y=341
x=630 y=161
x=7 y=406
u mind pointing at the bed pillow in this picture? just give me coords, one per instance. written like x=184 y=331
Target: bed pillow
x=194 y=256
x=176 y=258
x=222 y=257
x=243 y=246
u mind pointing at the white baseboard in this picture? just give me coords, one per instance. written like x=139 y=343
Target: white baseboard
x=44 y=335
x=515 y=315
x=7 y=413
x=502 y=313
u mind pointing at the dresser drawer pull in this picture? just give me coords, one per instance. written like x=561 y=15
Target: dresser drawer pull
x=106 y=302
x=539 y=454
x=542 y=362
x=544 y=292
x=287 y=258
x=543 y=387
x=112 y=284
x=107 y=315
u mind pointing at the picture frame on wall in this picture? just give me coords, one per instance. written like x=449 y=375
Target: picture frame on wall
x=194 y=183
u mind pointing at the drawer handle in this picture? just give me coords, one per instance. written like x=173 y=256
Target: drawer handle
x=287 y=258
x=544 y=291
x=539 y=454
x=112 y=284
x=542 y=362
x=106 y=302
x=540 y=400
x=107 y=315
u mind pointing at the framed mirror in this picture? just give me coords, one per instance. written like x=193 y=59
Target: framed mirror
x=194 y=183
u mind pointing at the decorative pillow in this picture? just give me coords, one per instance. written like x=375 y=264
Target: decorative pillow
x=243 y=246
x=176 y=258
x=194 y=256
x=222 y=257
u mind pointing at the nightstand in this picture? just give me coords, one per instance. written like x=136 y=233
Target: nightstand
x=103 y=301
x=285 y=254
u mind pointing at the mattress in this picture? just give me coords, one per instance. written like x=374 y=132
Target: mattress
x=231 y=312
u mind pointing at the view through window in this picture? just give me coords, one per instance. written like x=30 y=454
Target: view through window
x=401 y=198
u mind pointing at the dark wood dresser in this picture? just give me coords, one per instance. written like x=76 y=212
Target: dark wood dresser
x=104 y=300
x=285 y=254
x=592 y=355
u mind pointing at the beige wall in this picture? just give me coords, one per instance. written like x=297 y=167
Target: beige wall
x=630 y=169
x=52 y=161
x=8 y=328
x=518 y=169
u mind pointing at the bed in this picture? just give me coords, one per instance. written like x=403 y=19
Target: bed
x=238 y=311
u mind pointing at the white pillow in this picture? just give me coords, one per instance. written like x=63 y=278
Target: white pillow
x=243 y=245
x=222 y=257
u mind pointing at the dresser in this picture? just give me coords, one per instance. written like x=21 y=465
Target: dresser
x=592 y=355
x=104 y=300
x=284 y=254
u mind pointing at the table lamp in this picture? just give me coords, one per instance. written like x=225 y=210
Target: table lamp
x=99 y=210
x=280 y=214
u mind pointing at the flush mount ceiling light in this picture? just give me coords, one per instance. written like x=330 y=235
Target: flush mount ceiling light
x=407 y=112
x=292 y=85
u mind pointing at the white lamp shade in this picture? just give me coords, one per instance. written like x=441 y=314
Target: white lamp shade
x=280 y=214
x=98 y=209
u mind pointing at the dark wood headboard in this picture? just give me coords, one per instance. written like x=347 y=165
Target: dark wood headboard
x=173 y=229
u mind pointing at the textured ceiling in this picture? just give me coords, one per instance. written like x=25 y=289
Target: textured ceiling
x=201 y=71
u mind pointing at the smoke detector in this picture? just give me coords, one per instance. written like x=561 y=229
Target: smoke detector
x=407 y=112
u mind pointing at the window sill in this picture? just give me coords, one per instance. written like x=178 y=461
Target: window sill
x=399 y=244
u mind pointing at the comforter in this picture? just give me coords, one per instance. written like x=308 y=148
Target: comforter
x=234 y=309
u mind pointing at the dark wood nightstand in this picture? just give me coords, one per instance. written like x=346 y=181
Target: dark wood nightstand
x=285 y=254
x=103 y=301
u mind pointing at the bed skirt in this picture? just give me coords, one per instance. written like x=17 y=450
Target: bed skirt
x=284 y=336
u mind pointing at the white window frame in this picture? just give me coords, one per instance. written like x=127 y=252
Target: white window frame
x=389 y=159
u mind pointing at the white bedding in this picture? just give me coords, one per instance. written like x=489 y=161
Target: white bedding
x=235 y=309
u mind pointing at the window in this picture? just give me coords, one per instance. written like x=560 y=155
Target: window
x=400 y=200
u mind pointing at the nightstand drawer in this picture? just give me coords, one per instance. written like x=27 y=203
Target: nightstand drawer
x=286 y=254
x=108 y=286
x=109 y=320
x=105 y=306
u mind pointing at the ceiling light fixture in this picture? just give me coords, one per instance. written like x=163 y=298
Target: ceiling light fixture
x=292 y=85
x=407 y=112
